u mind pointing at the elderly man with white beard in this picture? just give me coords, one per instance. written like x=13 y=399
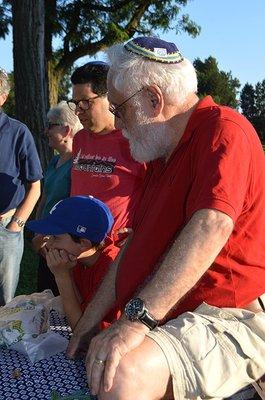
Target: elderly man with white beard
x=191 y=278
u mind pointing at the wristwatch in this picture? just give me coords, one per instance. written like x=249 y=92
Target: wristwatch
x=135 y=310
x=20 y=222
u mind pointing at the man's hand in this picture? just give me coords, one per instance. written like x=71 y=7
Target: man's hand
x=107 y=349
x=13 y=227
x=59 y=261
x=80 y=340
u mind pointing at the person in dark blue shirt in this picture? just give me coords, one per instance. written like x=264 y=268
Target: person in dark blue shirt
x=20 y=174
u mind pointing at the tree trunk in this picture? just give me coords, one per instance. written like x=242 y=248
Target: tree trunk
x=53 y=79
x=29 y=69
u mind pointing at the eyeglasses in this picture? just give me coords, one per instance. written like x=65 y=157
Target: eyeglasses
x=115 y=110
x=52 y=124
x=83 y=104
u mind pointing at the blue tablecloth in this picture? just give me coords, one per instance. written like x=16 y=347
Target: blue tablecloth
x=22 y=380
x=37 y=381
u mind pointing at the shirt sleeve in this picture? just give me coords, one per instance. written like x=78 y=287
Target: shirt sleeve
x=221 y=169
x=30 y=170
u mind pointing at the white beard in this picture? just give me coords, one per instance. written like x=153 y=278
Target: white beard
x=148 y=140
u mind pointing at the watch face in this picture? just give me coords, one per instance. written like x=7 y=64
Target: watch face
x=134 y=309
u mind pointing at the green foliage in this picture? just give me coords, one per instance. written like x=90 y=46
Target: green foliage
x=5 y=18
x=219 y=84
x=85 y=27
x=252 y=101
x=247 y=101
x=65 y=86
x=87 y=21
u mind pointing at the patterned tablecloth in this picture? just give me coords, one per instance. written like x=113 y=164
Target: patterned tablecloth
x=22 y=380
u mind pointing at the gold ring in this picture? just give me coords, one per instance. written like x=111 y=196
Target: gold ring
x=99 y=362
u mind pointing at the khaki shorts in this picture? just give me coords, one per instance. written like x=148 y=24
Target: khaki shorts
x=213 y=352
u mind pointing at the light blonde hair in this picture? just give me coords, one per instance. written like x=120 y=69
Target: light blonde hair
x=61 y=114
x=4 y=82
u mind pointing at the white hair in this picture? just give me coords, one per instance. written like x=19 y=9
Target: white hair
x=61 y=114
x=4 y=82
x=130 y=72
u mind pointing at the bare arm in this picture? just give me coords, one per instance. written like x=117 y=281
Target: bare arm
x=26 y=207
x=61 y=266
x=71 y=303
x=41 y=205
x=38 y=241
x=190 y=256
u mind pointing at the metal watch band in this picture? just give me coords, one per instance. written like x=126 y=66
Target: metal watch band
x=20 y=222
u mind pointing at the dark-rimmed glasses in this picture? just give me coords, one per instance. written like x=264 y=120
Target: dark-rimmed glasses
x=115 y=110
x=83 y=104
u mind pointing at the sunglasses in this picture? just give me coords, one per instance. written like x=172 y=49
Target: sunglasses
x=52 y=124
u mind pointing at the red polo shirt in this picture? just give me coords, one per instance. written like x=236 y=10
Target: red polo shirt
x=218 y=164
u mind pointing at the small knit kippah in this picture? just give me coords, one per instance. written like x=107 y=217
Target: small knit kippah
x=154 y=49
x=96 y=64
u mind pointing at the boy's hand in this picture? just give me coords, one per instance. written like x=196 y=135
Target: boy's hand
x=59 y=261
x=38 y=243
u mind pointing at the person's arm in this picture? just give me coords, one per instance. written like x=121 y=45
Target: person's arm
x=38 y=241
x=26 y=207
x=40 y=205
x=61 y=267
x=190 y=256
x=187 y=260
x=88 y=325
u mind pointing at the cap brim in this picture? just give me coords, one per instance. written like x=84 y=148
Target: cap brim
x=44 y=227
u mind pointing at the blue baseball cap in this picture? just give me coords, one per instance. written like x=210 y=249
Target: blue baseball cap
x=83 y=216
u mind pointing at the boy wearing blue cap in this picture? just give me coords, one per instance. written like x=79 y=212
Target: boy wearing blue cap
x=75 y=251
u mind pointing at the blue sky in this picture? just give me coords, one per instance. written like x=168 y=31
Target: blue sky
x=233 y=31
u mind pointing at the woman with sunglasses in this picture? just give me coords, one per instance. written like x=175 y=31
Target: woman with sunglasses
x=62 y=125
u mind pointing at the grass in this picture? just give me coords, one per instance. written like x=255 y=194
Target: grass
x=28 y=271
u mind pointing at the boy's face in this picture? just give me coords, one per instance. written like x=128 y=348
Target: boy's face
x=64 y=242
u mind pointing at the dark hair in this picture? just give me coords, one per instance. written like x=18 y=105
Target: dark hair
x=94 y=73
x=77 y=239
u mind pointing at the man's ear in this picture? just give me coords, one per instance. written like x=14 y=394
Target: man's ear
x=85 y=244
x=156 y=99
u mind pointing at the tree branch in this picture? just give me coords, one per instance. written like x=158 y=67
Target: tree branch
x=135 y=20
x=118 y=5
x=87 y=48
x=72 y=27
